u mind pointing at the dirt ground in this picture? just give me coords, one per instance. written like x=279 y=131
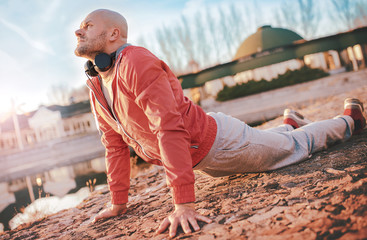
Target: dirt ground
x=324 y=197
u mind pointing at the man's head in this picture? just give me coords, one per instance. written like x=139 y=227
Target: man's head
x=101 y=31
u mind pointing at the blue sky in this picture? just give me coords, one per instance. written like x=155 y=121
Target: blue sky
x=37 y=40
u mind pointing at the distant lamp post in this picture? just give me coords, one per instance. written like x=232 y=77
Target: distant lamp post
x=16 y=126
x=21 y=146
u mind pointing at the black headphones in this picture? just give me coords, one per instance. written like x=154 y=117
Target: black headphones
x=102 y=61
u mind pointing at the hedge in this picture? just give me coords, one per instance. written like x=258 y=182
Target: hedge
x=290 y=77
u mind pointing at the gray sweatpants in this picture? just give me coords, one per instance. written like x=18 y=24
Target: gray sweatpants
x=239 y=148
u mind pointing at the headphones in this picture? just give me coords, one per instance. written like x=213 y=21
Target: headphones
x=102 y=61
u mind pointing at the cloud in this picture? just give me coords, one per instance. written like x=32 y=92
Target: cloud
x=33 y=43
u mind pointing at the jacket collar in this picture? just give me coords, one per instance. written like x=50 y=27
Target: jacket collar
x=120 y=49
x=95 y=83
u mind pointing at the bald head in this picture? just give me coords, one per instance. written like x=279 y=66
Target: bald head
x=101 y=31
x=112 y=19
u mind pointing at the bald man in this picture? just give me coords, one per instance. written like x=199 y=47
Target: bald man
x=137 y=101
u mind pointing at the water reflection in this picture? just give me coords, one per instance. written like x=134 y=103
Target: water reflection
x=43 y=207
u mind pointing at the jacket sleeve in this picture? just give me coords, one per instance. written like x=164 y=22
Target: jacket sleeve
x=117 y=161
x=150 y=84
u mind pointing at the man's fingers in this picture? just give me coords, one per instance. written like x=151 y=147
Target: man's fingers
x=194 y=224
x=173 y=227
x=185 y=216
x=203 y=218
x=98 y=216
x=185 y=225
x=163 y=226
x=104 y=214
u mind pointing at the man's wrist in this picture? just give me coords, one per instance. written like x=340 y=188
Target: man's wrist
x=118 y=208
x=185 y=205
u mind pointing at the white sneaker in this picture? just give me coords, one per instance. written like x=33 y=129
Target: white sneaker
x=294 y=118
x=354 y=107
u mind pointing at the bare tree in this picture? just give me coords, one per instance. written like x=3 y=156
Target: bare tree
x=302 y=16
x=202 y=46
x=257 y=13
x=309 y=17
x=207 y=38
x=79 y=94
x=59 y=94
x=285 y=16
x=167 y=41
x=361 y=19
x=228 y=30
x=63 y=95
x=212 y=22
x=240 y=26
x=185 y=37
x=344 y=12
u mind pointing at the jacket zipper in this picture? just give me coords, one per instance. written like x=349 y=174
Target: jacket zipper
x=119 y=124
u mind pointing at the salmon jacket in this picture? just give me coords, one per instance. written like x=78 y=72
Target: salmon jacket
x=150 y=113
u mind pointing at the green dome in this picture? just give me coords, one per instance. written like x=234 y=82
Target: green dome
x=266 y=38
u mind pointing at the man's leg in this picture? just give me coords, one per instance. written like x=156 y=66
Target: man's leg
x=239 y=148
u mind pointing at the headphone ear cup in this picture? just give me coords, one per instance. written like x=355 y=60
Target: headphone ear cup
x=103 y=61
x=89 y=69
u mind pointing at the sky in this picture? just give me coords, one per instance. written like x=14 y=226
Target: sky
x=37 y=40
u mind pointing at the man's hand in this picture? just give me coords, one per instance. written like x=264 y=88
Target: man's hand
x=113 y=211
x=183 y=214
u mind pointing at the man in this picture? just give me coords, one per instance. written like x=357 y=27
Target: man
x=138 y=102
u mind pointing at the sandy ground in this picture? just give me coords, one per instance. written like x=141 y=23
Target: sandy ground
x=324 y=197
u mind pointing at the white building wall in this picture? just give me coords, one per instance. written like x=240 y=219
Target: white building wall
x=316 y=60
x=80 y=124
x=267 y=72
x=46 y=124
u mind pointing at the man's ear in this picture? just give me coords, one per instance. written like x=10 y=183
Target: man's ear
x=114 y=34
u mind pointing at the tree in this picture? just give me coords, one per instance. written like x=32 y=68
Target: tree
x=309 y=17
x=63 y=95
x=361 y=19
x=344 y=12
x=207 y=38
x=285 y=17
x=59 y=94
x=302 y=16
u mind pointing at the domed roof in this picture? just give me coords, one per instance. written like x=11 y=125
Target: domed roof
x=265 y=38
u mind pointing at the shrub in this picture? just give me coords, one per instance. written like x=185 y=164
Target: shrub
x=290 y=77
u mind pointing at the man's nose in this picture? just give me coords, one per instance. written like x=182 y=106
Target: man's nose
x=78 y=32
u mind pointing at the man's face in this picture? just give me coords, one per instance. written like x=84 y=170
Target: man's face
x=91 y=37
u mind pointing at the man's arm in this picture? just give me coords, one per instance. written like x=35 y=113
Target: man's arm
x=155 y=96
x=118 y=168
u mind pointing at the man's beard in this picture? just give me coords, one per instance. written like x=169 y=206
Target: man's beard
x=91 y=47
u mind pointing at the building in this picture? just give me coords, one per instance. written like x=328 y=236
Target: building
x=271 y=51
x=45 y=124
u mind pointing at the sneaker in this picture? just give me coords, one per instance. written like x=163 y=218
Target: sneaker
x=354 y=108
x=294 y=118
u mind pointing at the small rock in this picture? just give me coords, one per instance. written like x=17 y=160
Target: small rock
x=273 y=185
x=334 y=171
